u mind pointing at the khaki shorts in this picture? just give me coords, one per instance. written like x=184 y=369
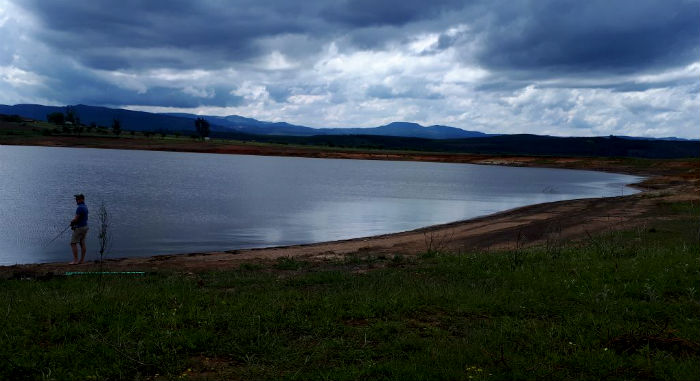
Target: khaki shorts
x=79 y=235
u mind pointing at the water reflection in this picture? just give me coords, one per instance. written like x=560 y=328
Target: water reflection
x=164 y=202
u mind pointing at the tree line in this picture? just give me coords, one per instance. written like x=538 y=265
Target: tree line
x=70 y=122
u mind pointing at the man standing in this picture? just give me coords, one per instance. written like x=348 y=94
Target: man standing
x=80 y=228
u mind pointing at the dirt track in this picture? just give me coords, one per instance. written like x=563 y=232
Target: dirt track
x=551 y=222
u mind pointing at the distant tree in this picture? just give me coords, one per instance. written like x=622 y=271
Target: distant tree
x=72 y=115
x=116 y=126
x=202 y=126
x=56 y=118
x=147 y=134
x=11 y=118
x=132 y=132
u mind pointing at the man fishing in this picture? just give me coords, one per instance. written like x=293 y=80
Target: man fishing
x=80 y=229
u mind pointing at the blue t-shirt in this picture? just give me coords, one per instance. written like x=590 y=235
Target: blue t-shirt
x=82 y=213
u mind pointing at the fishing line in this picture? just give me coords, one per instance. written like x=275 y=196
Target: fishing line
x=54 y=238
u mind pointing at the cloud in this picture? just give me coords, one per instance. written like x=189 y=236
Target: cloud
x=184 y=34
x=556 y=67
x=591 y=36
x=364 y=13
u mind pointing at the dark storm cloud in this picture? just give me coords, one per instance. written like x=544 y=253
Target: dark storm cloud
x=562 y=36
x=363 y=13
x=372 y=38
x=80 y=87
x=580 y=36
x=204 y=34
x=167 y=97
x=490 y=63
x=157 y=96
x=110 y=35
x=170 y=97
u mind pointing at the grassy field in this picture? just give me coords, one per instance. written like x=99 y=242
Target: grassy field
x=621 y=305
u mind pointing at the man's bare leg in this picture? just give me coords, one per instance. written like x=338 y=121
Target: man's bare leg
x=74 y=247
x=83 y=250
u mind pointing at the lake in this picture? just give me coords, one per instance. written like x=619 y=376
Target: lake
x=168 y=202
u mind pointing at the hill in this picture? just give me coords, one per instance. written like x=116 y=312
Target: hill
x=145 y=121
x=393 y=136
x=405 y=129
x=103 y=116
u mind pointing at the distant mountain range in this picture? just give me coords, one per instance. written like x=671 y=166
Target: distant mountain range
x=145 y=121
x=235 y=124
x=394 y=136
x=414 y=130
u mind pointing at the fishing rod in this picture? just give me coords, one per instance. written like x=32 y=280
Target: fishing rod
x=59 y=234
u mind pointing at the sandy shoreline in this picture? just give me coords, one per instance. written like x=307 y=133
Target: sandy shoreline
x=549 y=223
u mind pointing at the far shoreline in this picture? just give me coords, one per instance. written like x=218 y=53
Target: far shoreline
x=621 y=165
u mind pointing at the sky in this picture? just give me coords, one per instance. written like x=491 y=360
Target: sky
x=557 y=67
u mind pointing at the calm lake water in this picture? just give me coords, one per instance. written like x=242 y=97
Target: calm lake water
x=166 y=202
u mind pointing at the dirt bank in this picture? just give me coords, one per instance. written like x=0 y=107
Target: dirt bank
x=668 y=181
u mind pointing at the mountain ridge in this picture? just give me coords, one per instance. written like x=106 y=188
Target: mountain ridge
x=146 y=121
x=405 y=129
x=183 y=122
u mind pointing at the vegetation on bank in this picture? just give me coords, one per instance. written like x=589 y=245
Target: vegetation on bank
x=620 y=305
x=60 y=125
x=69 y=125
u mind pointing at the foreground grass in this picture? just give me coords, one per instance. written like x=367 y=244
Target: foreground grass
x=615 y=306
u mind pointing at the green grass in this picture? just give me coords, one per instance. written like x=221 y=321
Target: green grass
x=621 y=305
x=289 y=263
